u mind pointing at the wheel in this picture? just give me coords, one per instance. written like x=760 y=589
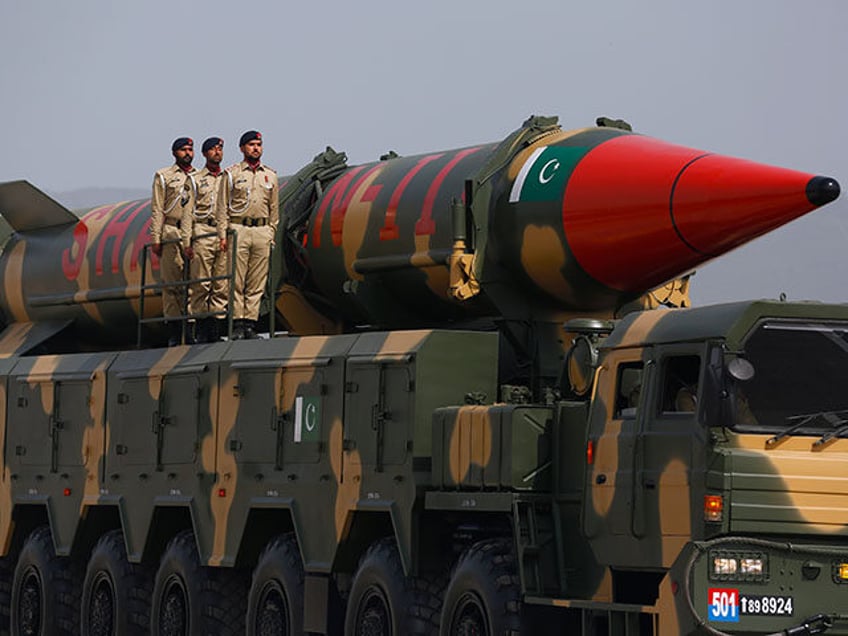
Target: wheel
x=190 y=599
x=45 y=589
x=275 y=601
x=484 y=594
x=115 y=592
x=384 y=602
x=7 y=572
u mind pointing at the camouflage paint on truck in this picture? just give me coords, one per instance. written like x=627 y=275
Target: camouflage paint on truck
x=432 y=448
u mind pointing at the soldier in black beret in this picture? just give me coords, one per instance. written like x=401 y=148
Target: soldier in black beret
x=248 y=203
x=170 y=229
x=208 y=298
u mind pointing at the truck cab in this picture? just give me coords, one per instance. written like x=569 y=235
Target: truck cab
x=716 y=477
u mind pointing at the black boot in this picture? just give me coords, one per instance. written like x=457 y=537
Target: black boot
x=250 y=330
x=238 y=329
x=202 y=331
x=175 y=333
x=218 y=329
x=191 y=332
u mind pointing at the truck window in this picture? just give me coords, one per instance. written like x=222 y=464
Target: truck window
x=628 y=389
x=801 y=371
x=680 y=384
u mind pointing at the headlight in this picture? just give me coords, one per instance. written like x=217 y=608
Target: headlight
x=752 y=566
x=729 y=565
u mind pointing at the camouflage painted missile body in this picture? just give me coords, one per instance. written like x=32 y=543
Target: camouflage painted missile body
x=547 y=224
x=76 y=276
x=528 y=229
x=382 y=480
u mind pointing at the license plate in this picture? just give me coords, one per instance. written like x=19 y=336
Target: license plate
x=765 y=605
x=728 y=605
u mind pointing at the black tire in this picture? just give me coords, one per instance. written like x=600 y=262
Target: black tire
x=384 y=602
x=115 y=592
x=45 y=589
x=275 y=601
x=484 y=593
x=7 y=573
x=192 y=600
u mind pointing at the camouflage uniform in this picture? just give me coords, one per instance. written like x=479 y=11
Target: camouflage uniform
x=170 y=211
x=209 y=261
x=248 y=201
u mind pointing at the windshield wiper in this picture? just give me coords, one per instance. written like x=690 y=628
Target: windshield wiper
x=832 y=418
x=841 y=425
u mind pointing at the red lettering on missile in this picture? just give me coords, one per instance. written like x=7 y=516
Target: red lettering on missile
x=390 y=229
x=138 y=245
x=72 y=263
x=115 y=229
x=425 y=224
x=333 y=196
x=371 y=193
x=73 y=257
x=338 y=212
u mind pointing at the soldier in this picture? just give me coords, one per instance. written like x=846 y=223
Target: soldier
x=248 y=203
x=170 y=210
x=208 y=296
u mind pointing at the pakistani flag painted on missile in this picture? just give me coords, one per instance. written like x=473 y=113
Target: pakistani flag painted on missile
x=545 y=173
x=307 y=419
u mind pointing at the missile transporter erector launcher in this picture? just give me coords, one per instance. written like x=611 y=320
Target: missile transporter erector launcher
x=452 y=436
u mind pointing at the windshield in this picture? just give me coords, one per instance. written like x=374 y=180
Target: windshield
x=800 y=379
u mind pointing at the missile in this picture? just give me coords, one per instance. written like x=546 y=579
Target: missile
x=550 y=221
x=545 y=224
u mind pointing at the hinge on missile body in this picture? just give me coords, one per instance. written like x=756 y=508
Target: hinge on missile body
x=463 y=283
x=607 y=122
x=534 y=128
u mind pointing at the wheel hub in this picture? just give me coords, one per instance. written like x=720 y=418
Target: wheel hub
x=273 y=612
x=373 y=617
x=101 y=611
x=469 y=617
x=30 y=602
x=173 y=617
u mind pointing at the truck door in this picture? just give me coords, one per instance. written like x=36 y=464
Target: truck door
x=668 y=436
x=283 y=412
x=613 y=421
x=378 y=412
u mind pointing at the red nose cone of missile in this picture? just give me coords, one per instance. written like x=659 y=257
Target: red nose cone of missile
x=638 y=211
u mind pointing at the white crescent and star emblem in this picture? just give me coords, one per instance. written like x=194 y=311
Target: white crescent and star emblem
x=554 y=165
x=310 y=418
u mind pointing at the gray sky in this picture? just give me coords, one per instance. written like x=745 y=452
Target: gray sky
x=95 y=91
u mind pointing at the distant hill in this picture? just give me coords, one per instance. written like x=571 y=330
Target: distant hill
x=90 y=197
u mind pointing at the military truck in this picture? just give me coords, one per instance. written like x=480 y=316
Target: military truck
x=464 y=426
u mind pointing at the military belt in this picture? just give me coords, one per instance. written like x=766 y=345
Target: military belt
x=177 y=223
x=211 y=222
x=251 y=222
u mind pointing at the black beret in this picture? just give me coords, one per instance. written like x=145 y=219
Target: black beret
x=250 y=135
x=179 y=142
x=211 y=143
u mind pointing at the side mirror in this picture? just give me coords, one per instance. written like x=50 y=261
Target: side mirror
x=580 y=363
x=740 y=369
